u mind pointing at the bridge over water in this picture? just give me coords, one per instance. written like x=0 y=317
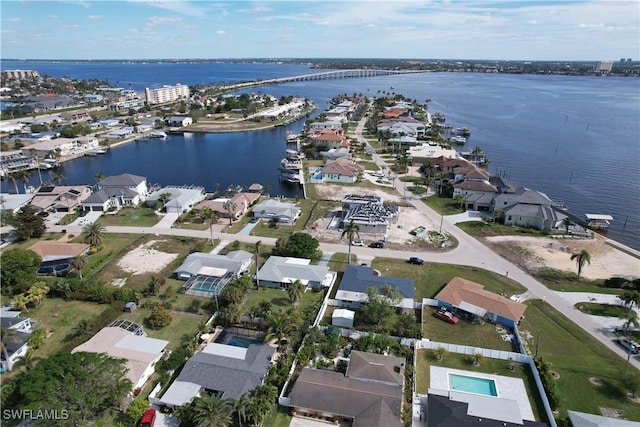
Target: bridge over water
x=325 y=75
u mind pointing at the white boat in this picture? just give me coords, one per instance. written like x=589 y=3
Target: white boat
x=292 y=137
x=158 y=134
x=100 y=150
x=460 y=140
x=45 y=166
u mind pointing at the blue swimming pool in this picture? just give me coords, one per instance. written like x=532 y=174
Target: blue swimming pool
x=244 y=342
x=473 y=385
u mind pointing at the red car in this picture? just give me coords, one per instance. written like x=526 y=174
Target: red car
x=148 y=418
x=446 y=315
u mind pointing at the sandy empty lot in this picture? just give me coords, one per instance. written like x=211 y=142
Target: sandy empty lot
x=145 y=259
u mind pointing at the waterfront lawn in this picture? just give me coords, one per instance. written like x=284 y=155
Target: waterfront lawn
x=443 y=205
x=431 y=277
x=576 y=356
x=464 y=332
x=565 y=281
x=140 y=216
x=426 y=358
x=483 y=229
x=236 y=225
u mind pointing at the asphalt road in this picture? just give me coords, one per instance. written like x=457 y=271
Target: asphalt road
x=469 y=251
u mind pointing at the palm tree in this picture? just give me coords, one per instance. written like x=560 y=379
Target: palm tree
x=631 y=322
x=78 y=263
x=209 y=215
x=256 y=249
x=23 y=175
x=583 y=257
x=94 y=233
x=210 y=410
x=20 y=302
x=279 y=326
x=13 y=176
x=295 y=291
x=99 y=177
x=57 y=176
x=351 y=230
x=230 y=207
x=241 y=407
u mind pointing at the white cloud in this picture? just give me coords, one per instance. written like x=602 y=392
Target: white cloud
x=96 y=17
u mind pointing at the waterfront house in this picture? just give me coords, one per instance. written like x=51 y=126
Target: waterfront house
x=368 y=394
x=332 y=138
x=141 y=353
x=13 y=202
x=284 y=212
x=63 y=147
x=429 y=153
x=471 y=297
x=341 y=170
x=179 y=121
x=227 y=370
x=528 y=208
x=116 y=192
x=352 y=292
x=279 y=272
x=60 y=198
x=122 y=132
x=12 y=161
x=235 y=206
x=180 y=199
x=76 y=116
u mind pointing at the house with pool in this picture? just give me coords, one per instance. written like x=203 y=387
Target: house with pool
x=234 y=364
x=207 y=274
x=462 y=295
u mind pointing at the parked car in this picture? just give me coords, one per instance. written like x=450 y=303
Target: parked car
x=446 y=315
x=377 y=244
x=43 y=214
x=629 y=345
x=148 y=418
x=357 y=243
x=416 y=260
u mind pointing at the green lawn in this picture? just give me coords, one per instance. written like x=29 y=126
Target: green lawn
x=443 y=205
x=565 y=281
x=370 y=166
x=483 y=229
x=278 y=417
x=602 y=309
x=278 y=298
x=426 y=358
x=576 y=356
x=464 y=332
x=430 y=278
x=142 y=216
x=27 y=243
x=263 y=229
x=338 y=261
x=182 y=324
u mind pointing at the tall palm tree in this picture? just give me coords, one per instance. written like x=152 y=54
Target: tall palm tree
x=13 y=176
x=57 y=176
x=210 y=410
x=583 y=257
x=256 y=249
x=351 y=230
x=241 y=407
x=93 y=233
x=24 y=176
x=279 y=326
x=99 y=177
x=78 y=263
x=295 y=291
x=209 y=215
x=230 y=207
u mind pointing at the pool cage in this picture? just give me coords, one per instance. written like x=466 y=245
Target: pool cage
x=206 y=286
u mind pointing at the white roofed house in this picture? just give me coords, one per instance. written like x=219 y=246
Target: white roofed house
x=140 y=352
x=116 y=192
x=179 y=121
x=181 y=199
x=282 y=211
x=206 y=275
x=280 y=272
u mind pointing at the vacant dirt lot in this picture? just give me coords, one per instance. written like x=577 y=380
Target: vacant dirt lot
x=145 y=259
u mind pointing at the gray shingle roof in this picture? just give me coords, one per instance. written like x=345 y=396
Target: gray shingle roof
x=123 y=180
x=195 y=261
x=231 y=376
x=376 y=367
x=105 y=194
x=278 y=268
x=358 y=278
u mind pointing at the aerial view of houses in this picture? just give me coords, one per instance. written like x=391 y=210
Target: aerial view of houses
x=382 y=298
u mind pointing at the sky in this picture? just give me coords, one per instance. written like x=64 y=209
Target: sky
x=577 y=30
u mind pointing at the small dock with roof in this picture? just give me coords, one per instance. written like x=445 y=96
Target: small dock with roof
x=598 y=221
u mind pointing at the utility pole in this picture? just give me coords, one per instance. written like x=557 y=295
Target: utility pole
x=441 y=220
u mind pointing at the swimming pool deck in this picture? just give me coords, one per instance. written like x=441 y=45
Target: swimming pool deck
x=508 y=389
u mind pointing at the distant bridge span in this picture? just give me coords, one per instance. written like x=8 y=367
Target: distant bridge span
x=325 y=75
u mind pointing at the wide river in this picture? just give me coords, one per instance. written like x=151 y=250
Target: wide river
x=575 y=138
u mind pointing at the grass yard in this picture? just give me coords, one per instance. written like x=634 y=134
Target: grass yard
x=483 y=229
x=142 y=217
x=426 y=358
x=182 y=324
x=566 y=281
x=464 y=332
x=60 y=317
x=338 y=261
x=30 y=242
x=277 y=417
x=279 y=299
x=443 y=205
x=431 y=277
x=576 y=356
x=370 y=166
x=263 y=229
x=602 y=309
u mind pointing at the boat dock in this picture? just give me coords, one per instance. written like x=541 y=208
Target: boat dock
x=598 y=221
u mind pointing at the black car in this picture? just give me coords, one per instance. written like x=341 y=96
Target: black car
x=43 y=214
x=416 y=260
x=377 y=244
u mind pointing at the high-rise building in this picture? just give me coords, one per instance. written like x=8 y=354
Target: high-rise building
x=166 y=94
x=603 y=67
x=20 y=74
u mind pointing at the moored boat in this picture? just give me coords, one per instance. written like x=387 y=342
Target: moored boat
x=158 y=135
x=459 y=140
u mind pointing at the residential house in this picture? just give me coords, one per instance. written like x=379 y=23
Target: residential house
x=55 y=253
x=76 y=116
x=330 y=123
x=352 y=292
x=116 y=192
x=255 y=188
x=471 y=297
x=62 y=147
x=180 y=199
x=280 y=272
x=122 y=132
x=332 y=138
x=179 y=121
x=582 y=419
x=528 y=208
x=19 y=330
x=369 y=394
x=336 y=153
x=342 y=170
x=235 y=264
x=12 y=203
x=284 y=212
x=60 y=198
x=473 y=184
x=140 y=352
x=227 y=370
x=369 y=213
x=12 y=161
x=235 y=206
